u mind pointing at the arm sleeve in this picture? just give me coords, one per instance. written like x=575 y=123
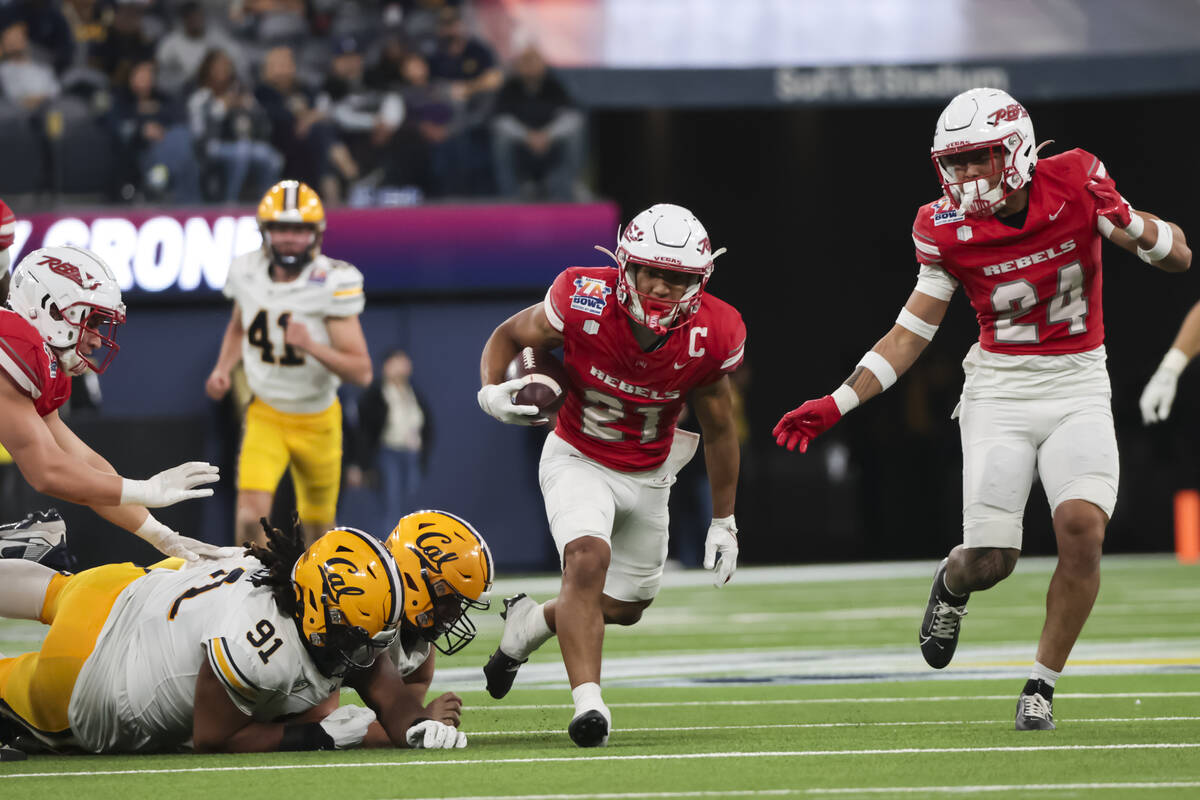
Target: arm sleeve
x=558 y=300
x=18 y=362
x=346 y=298
x=234 y=670
x=8 y=226
x=936 y=282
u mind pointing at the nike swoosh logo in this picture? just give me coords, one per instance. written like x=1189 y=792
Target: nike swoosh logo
x=681 y=366
x=1054 y=216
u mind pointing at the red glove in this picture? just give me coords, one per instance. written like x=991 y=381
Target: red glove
x=801 y=426
x=1109 y=203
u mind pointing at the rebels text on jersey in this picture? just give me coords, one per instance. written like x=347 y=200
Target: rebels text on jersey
x=623 y=402
x=31 y=365
x=1036 y=290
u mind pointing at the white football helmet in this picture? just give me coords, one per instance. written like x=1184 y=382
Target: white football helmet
x=668 y=237
x=981 y=119
x=71 y=296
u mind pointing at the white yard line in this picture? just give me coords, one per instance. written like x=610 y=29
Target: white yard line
x=1026 y=787
x=792 y=725
x=800 y=701
x=615 y=758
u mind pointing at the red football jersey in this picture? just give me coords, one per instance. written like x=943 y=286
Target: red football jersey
x=30 y=365
x=1036 y=291
x=8 y=226
x=623 y=402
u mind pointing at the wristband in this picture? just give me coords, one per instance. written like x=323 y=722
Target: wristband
x=310 y=736
x=846 y=399
x=1162 y=247
x=1136 y=224
x=912 y=322
x=1174 y=361
x=880 y=367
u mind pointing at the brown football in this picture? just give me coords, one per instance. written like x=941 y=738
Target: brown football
x=548 y=389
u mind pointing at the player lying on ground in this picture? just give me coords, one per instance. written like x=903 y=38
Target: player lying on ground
x=1025 y=245
x=238 y=656
x=63 y=311
x=638 y=341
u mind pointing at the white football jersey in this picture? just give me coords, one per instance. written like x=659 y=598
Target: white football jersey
x=282 y=376
x=136 y=691
x=409 y=659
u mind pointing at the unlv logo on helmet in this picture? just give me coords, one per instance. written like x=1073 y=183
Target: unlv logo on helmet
x=633 y=233
x=432 y=555
x=1009 y=113
x=705 y=246
x=70 y=271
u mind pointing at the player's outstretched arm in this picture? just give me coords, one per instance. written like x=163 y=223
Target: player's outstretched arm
x=528 y=328
x=219 y=380
x=878 y=369
x=400 y=709
x=1156 y=241
x=1159 y=393
x=713 y=406
x=219 y=726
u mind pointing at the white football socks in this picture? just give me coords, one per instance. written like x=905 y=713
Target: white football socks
x=525 y=630
x=1044 y=674
x=23 y=586
x=587 y=697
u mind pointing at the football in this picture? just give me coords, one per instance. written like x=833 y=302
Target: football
x=548 y=389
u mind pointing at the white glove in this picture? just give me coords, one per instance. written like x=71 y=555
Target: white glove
x=721 y=541
x=179 y=546
x=430 y=735
x=170 y=486
x=1159 y=393
x=496 y=399
x=347 y=725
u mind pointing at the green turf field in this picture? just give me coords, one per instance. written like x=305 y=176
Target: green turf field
x=788 y=682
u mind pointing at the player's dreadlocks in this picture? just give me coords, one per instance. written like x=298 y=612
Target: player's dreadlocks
x=282 y=552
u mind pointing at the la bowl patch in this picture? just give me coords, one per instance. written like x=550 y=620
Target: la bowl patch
x=947 y=216
x=591 y=295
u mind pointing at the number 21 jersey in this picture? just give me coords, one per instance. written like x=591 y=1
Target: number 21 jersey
x=623 y=402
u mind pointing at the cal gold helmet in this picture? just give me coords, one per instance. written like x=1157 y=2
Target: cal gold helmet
x=447 y=569
x=348 y=599
x=290 y=205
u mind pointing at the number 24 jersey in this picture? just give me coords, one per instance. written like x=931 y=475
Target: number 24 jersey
x=623 y=402
x=1035 y=290
x=136 y=691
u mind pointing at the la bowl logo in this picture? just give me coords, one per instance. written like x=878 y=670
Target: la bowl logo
x=591 y=295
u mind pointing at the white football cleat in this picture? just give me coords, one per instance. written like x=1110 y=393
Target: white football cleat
x=40 y=537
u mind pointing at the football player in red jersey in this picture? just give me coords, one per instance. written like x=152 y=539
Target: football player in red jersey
x=63 y=310
x=1025 y=245
x=639 y=341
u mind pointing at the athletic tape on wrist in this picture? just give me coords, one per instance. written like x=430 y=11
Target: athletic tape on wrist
x=846 y=399
x=1162 y=247
x=912 y=322
x=880 y=367
x=1136 y=224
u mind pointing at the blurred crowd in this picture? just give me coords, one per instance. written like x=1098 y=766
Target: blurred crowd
x=371 y=102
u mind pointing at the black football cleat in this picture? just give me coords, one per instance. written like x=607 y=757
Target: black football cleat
x=501 y=670
x=1035 y=712
x=40 y=537
x=943 y=620
x=589 y=729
